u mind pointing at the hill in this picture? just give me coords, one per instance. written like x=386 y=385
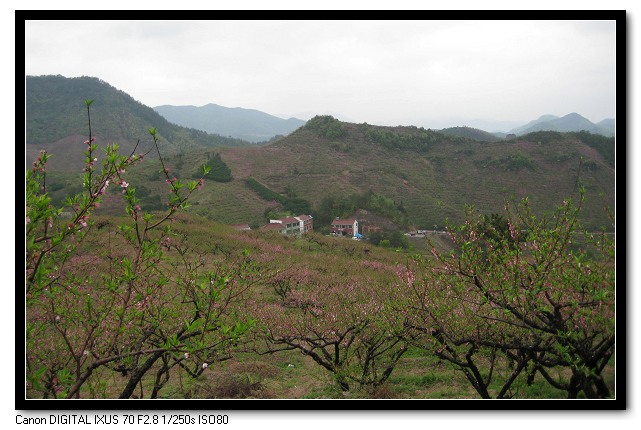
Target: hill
x=570 y=122
x=56 y=119
x=417 y=177
x=247 y=124
x=541 y=119
x=471 y=133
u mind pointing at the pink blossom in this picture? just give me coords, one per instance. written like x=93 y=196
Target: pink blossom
x=124 y=184
x=512 y=230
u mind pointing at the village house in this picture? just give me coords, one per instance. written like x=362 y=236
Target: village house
x=345 y=227
x=298 y=225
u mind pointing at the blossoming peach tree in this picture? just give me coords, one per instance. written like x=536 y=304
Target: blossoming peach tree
x=107 y=307
x=535 y=297
x=343 y=326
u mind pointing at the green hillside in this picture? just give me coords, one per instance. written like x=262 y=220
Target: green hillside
x=470 y=133
x=56 y=119
x=431 y=175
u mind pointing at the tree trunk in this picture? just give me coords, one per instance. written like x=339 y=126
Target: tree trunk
x=138 y=373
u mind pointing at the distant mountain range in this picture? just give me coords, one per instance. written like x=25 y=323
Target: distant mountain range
x=247 y=124
x=570 y=122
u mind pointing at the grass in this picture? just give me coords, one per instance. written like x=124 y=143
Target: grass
x=290 y=375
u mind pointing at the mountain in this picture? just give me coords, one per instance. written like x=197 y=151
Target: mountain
x=570 y=122
x=56 y=120
x=247 y=124
x=470 y=133
x=607 y=126
x=542 y=119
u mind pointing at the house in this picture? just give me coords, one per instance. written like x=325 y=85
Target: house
x=307 y=223
x=292 y=225
x=344 y=227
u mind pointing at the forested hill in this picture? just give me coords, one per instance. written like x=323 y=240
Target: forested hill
x=427 y=175
x=56 y=111
x=470 y=133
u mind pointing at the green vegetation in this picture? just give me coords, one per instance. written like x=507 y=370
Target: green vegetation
x=326 y=126
x=544 y=137
x=605 y=145
x=512 y=162
x=390 y=235
x=218 y=170
x=470 y=133
x=265 y=192
x=53 y=114
x=411 y=138
x=290 y=205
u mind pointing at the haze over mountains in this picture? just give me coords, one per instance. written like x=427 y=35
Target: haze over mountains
x=570 y=122
x=247 y=124
x=424 y=176
x=256 y=126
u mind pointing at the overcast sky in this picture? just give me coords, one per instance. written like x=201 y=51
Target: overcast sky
x=425 y=73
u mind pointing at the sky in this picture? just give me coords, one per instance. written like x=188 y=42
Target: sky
x=425 y=73
x=118 y=57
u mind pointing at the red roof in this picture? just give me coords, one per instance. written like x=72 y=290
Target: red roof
x=273 y=226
